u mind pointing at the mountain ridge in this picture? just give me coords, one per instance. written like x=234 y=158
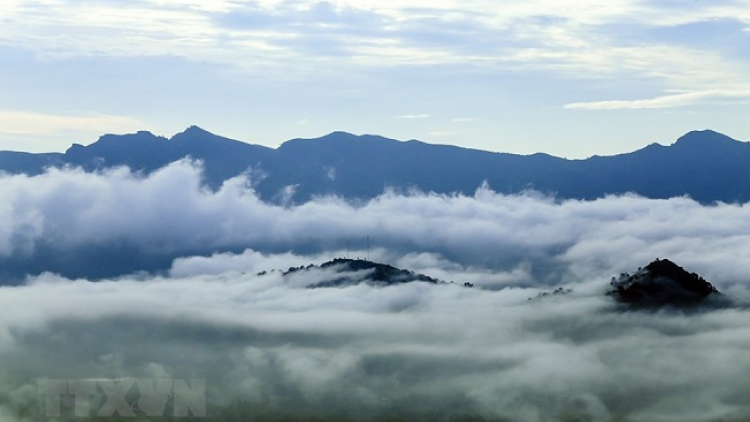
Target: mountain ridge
x=705 y=165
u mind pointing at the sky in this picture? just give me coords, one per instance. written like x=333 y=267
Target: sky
x=271 y=349
x=572 y=79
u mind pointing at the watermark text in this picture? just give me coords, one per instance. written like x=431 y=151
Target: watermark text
x=126 y=397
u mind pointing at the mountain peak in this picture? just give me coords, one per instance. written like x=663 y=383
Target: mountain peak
x=196 y=134
x=194 y=130
x=329 y=140
x=340 y=134
x=347 y=136
x=704 y=138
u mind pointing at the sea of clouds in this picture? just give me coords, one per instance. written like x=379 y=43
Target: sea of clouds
x=118 y=275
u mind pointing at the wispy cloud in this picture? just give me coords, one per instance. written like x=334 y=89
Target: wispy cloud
x=371 y=33
x=667 y=101
x=30 y=123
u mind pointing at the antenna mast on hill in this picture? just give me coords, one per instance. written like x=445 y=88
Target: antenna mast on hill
x=368 y=247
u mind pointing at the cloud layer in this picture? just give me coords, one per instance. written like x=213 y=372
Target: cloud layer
x=116 y=223
x=271 y=349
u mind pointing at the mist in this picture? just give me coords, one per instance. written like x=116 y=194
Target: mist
x=118 y=275
x=115 y=223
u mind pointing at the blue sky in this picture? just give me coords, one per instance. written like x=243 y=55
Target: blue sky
x=572 y=78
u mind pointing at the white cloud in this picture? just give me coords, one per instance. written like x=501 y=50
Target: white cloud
x=372 y=34
x=668 y=101
x=66 y=221
x=30 y=123
x=269 y=347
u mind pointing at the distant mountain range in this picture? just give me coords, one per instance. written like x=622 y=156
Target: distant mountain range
x=704 y=165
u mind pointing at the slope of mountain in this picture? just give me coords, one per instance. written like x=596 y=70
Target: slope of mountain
x=704 y=165
x=366 y=165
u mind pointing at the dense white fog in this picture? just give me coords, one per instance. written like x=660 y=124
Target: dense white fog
x=187 y=302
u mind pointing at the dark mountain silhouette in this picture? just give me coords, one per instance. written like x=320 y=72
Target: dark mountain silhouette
x=662 y=283
x=704 y=165
x=222 y=158
x=348 y=272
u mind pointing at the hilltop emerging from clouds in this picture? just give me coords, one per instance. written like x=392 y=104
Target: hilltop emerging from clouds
x=704 y=165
